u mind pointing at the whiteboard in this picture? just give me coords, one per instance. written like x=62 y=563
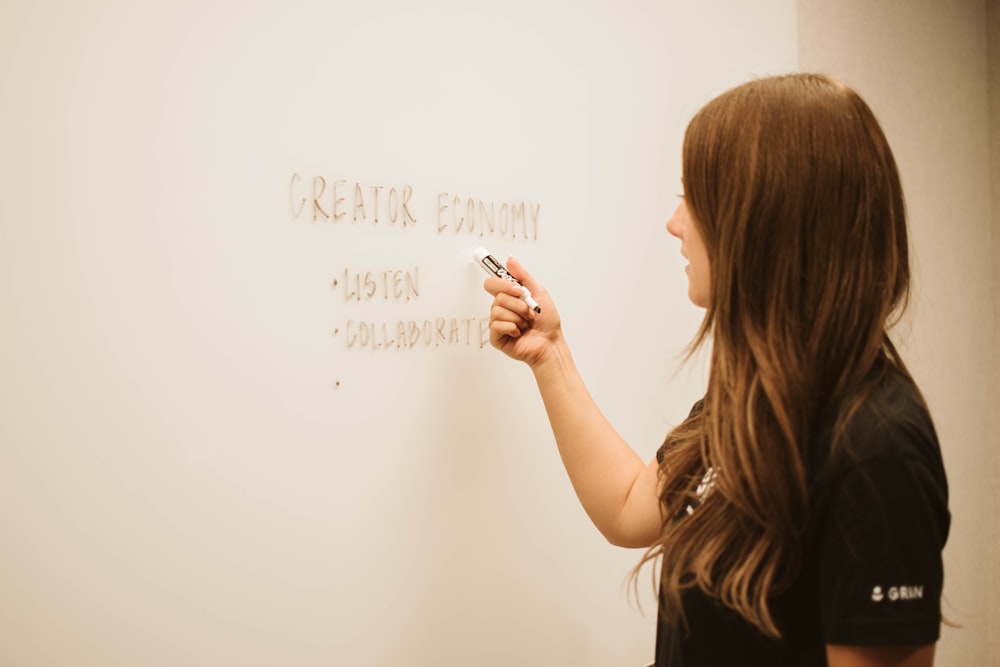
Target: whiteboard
x=248 y=414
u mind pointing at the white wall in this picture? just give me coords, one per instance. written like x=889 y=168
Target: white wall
x=197 y=467
x=923 y=67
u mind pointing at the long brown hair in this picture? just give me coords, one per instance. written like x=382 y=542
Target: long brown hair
x=792 y=184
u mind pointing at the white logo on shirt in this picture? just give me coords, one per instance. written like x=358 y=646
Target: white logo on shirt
x=898 y=593
x=707 y=482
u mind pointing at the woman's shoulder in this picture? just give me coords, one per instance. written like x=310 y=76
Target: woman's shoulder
x=888 y=420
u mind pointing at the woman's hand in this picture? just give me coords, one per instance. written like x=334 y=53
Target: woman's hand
x=515 y=329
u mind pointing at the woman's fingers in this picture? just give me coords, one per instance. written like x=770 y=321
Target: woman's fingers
x=499 y=331
x=497 y=286
x=508 y=295
x=511 y=309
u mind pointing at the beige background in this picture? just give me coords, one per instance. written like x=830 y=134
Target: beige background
x=930 y=70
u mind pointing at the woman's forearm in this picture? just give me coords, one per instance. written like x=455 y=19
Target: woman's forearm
x=616 y=488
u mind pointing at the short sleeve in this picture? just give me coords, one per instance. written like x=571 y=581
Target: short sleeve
x=880 y=573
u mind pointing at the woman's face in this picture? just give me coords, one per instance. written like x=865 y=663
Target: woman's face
x=693 y=248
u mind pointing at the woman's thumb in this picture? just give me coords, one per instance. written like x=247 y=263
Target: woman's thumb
x=516 y=269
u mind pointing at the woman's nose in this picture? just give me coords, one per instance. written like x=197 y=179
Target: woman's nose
x=675 y=225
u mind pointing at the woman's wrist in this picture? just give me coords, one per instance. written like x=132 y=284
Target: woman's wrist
x=554 y=362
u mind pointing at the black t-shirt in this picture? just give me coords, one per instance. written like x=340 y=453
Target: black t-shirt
x=872 y=572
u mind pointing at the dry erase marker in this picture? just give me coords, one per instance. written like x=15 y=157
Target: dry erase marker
x=494 y=268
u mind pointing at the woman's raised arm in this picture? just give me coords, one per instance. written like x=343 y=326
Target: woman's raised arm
x=617 y=489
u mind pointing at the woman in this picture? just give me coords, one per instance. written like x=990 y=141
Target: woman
x=800 y=510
